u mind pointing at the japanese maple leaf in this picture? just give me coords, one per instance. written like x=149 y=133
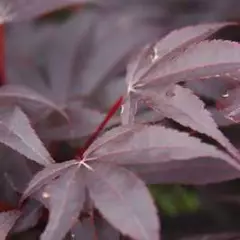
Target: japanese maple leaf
x=107 y=169
x=181 y=56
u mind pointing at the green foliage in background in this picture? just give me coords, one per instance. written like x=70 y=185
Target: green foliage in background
x=174 y=199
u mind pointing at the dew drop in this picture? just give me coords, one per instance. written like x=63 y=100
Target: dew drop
x=45 y=195
x=73 y=236
x=154 y=56
x=122 y=109
x=225 y=95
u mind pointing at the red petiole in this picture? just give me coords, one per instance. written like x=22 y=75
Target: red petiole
x=108 y=117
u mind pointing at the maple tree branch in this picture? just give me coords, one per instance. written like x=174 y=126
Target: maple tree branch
x=108 y=117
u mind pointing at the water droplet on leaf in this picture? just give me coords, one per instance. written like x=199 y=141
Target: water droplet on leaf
x=229 y=105
x=122 y=109
x=154 y=56
x=225 y=95
x=45 y=195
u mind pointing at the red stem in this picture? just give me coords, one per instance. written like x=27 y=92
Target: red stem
x=110 y=114
x=2 y=54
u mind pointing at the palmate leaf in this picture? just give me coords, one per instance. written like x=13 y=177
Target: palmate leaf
x=18 y=10
x=139 y=147
x=61 y=196
x=181 y=105
x=7 y=220
x=202 y=60
x=17 y=133
x=115 y=192
x=65 y=197
x=154 y=63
